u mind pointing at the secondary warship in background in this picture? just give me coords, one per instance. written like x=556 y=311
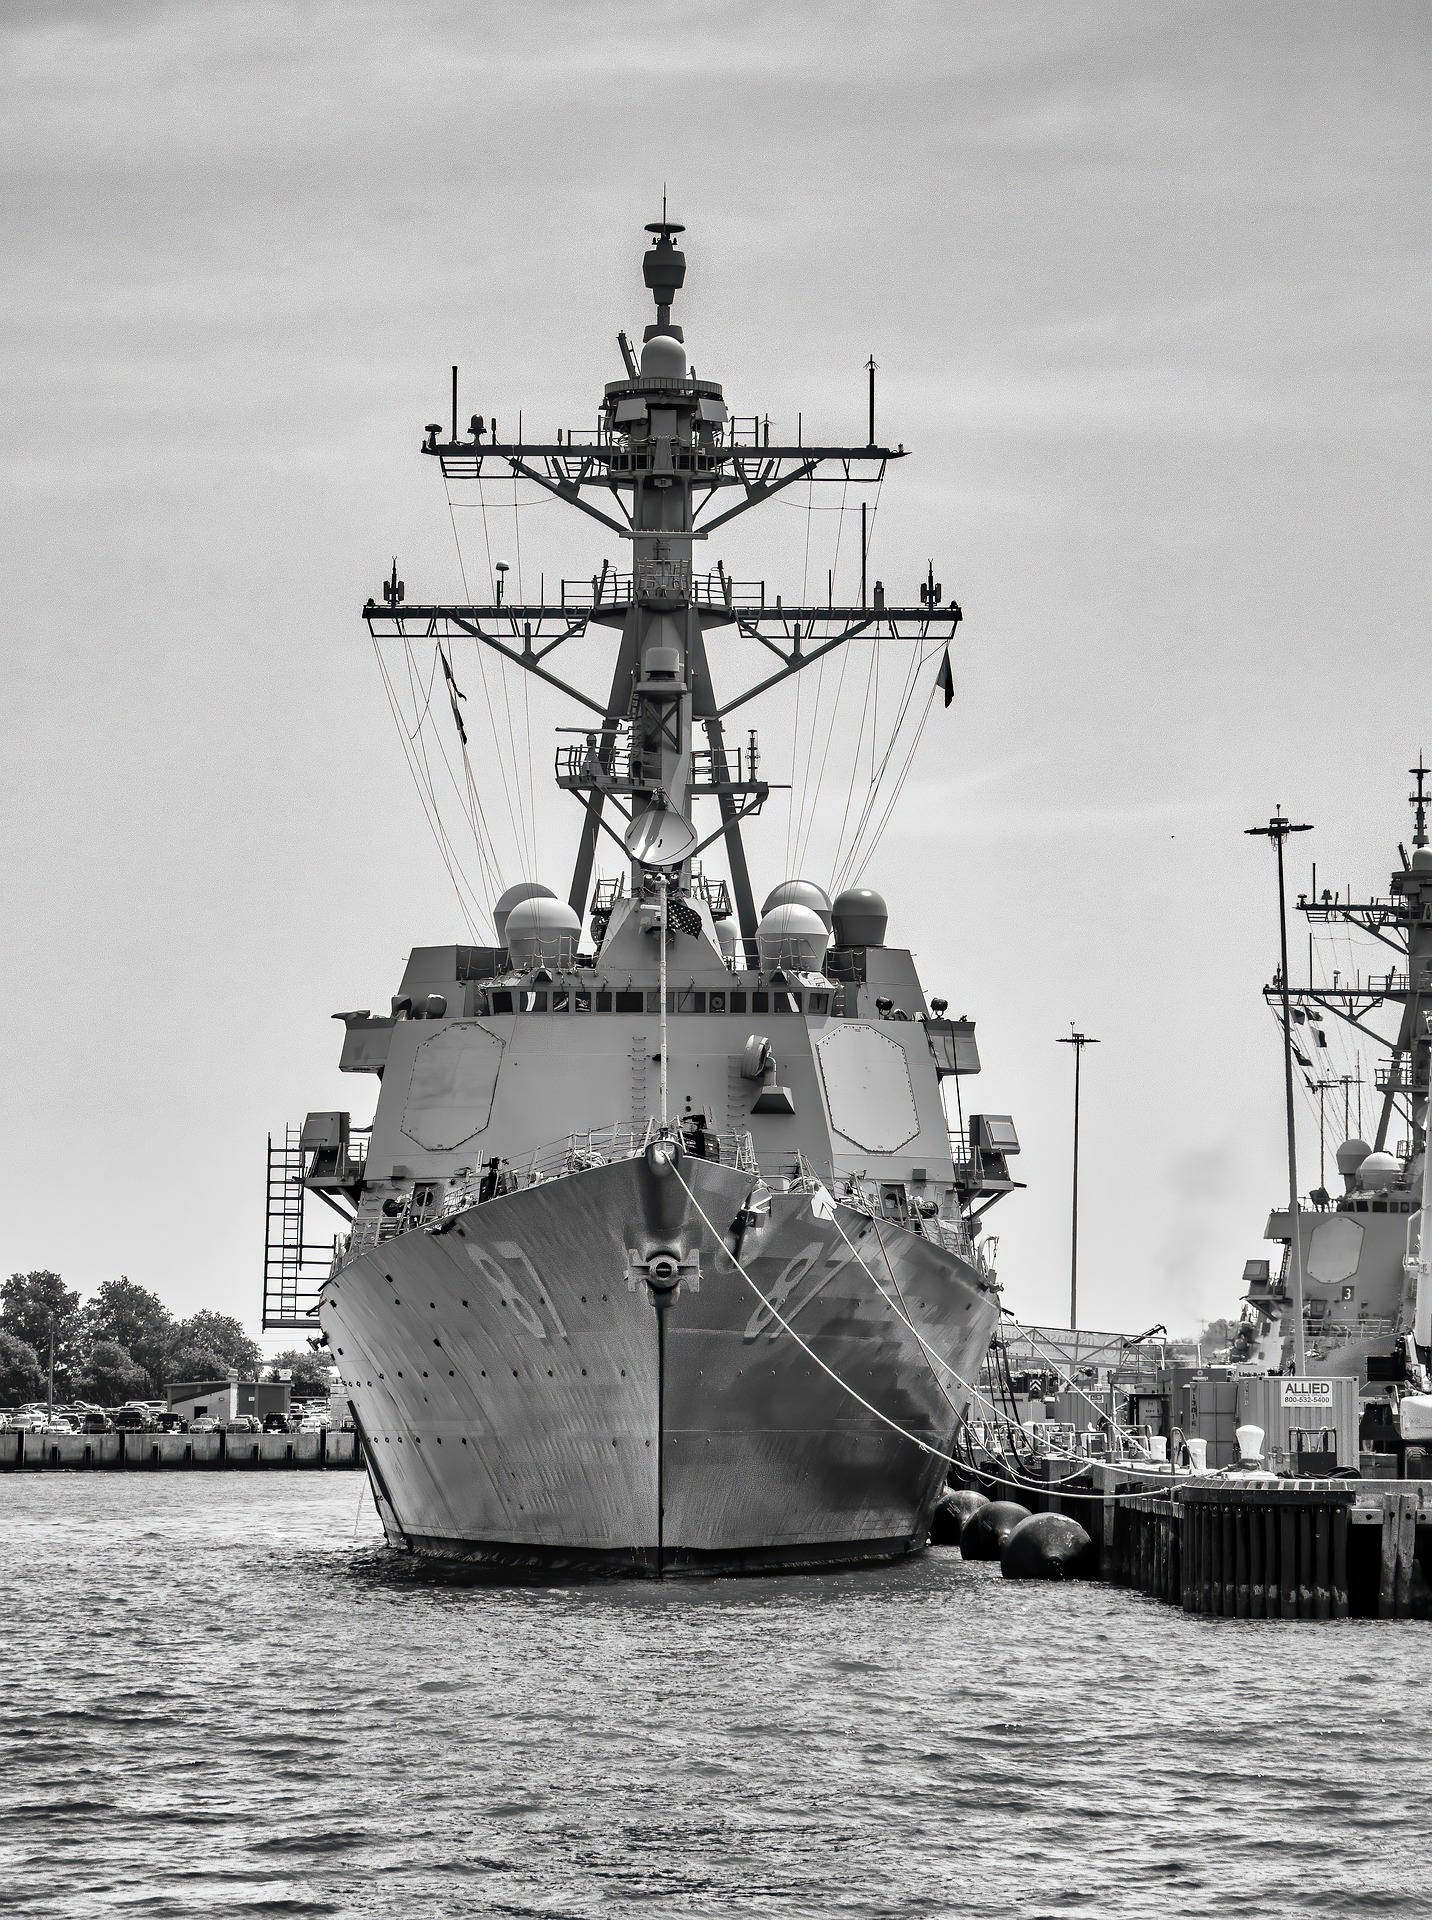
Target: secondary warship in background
x=653 y=1247
x=1367 y=1306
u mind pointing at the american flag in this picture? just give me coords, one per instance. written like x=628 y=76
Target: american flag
x=679 y=917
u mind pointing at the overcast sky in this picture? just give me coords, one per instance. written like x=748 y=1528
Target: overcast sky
x=1147 y=285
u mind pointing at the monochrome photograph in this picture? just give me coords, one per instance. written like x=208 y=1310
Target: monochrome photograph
x=719 y=934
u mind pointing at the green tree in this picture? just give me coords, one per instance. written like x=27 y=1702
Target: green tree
x=1216 y=1335
x=21 y=1375
x=309 y=1370
x=130 y=1316
x=214 y=1334
x=110 y=1375
x=33 y=1303
x=196 y=1363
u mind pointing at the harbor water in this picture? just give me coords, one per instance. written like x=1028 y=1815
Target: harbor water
x=225 y=1695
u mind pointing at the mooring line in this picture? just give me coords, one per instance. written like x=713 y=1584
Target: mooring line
x=937 y=1453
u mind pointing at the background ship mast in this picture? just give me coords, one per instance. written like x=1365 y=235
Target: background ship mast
x=669 y=466
x=1402 y=922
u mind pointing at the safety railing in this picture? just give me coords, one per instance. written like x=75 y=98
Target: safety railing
x=614 y=589
x=592 y=1147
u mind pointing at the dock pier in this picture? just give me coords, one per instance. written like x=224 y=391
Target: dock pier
x=196 y=1452
x=1245 y=1548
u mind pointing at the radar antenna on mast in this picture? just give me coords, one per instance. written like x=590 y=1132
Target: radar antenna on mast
x=668 y=466
x=1420 y=800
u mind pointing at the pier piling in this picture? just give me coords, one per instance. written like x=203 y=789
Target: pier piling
x=1264 y=1548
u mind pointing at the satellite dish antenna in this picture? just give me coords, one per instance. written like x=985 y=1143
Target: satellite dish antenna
x=660 y=837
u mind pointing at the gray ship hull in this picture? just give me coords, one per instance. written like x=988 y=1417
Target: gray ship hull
x=526 y=1404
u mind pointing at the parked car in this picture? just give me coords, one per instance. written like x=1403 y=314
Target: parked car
x=276 y=1423
x=131 y=1420
x=168 y=1421
x=96 y=1421
x=243 y=1423
x=205 y=1423
x=28 y=1420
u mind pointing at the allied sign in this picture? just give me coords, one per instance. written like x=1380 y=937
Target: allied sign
x=1308 y=1396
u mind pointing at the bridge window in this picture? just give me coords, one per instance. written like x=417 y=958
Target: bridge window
x=631 y=1003
x=604 y=1001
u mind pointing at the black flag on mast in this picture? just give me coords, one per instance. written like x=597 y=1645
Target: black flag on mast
x=455 y=693
x=945 y=678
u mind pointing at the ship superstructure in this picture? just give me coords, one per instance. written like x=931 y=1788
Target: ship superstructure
x=660 y=1253
x=1359 y=1247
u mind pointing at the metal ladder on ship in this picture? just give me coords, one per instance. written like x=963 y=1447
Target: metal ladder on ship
x=293 y=1269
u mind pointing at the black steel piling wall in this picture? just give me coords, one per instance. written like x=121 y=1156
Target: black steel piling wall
x=1257 y=1552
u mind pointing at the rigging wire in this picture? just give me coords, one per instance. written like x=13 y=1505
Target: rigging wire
x=467 y=796
x=869 y=854
x=859 y=743
x=800 y=678
x=825 y=755
x=434 y=824
x=835 y=710
x=803 y=783
x=842 y=875
x=420 y=743
x=526 y=681
x=507 y=783
x=872 y=792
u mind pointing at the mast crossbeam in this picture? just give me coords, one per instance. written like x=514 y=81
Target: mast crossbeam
x=521 y=623
x=610 y=463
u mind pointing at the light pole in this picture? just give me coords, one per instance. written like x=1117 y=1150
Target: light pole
x=1277 y=830
x=1078 y=1041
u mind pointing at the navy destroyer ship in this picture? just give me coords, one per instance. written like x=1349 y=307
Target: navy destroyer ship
x=660 y=1255
x=1366 y=1307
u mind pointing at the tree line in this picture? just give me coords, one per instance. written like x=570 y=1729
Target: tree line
x=121 y=1344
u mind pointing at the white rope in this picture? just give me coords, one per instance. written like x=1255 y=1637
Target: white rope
x=953 y=1460
x=776 y=1314
x=1001 y=1419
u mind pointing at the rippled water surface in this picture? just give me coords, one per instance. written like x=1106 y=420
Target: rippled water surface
x=223 y=1696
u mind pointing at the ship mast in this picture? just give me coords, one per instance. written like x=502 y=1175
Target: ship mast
x=670 y=466
x=1403 y=923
